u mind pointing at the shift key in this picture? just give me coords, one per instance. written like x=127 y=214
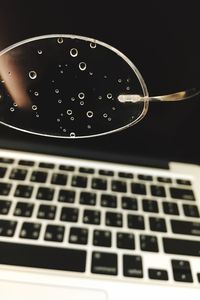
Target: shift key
x=185 y=227
x=181 y=247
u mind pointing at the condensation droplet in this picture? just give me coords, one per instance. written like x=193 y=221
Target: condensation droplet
x=14 y=104
x=59 y=101
x=12 y=109
x=52 y=81
x=82 y=66
x=81 y=95
x=82 y=103
x=57 y=91
x=74 y=52
x=91 y=73
x=66 y=65
x=60 y=40
x=59 y=66
x=64 y=130
x=72 y=99
x=72 y=134
x=32 y=74
x=69 y=112
x=100 y=97
x=60 y=127
x=61 y=114
x=113 y=108
x=58 y=120
x=61 y=71
x=105 y=76
x=119 y=80
x=128 y=88
x=128 y=79
x=36 y=94
x=89 y=114
x=72 y=118
x=37 y=116
x=109 y=96
x=109 y=119
x=39 y=51
x=89 y=126
x=105 y=115
x=34 y=107
x=93 y=45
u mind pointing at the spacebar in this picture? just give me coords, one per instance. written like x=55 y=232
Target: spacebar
x=42 y=257
x=181 y=247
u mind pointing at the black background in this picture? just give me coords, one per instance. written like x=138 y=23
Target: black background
x=162 y=38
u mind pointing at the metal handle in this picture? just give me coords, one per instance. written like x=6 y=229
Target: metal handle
x=164 y=98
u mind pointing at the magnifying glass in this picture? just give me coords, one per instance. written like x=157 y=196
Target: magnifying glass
x=69 y=86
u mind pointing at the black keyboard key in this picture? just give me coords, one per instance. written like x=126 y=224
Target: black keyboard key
x=145 y=177
x=125 y=240
x=183 y=181
x=106 y=172
x=46 y=165
x=170 y=208
x=87 y=198
x=5 y=188
x=132 y=266
x=30 y=231
x=86 y=170
x=54 y=233
x=181 y=247
x=129 y=203
x=108 y=200
x=138 y=188
x=157 y=224
x=136 y=222
x=181 y=270
x=59 y=179
x=78 y=235
x=118 y=186
x=24 y=209
x=125 y=175
x=79 y=181
x=4 y=207
x=148 y=243
x=158 y=274
x=2 y=172
x=164 y=179
x=45 y=193
x=185 y=227
x=99 y=184
x=69 y=214
x=18 y=174
x=42 y=257
x=39 y=176
x=28 y=163
x=158 y=191
x=66 y=168
x=23 y=191
x=5 y=160
x=102 y=238
x=7 y=228
x=191 y=211
x=149 y=205
x=92 y=217
x=47 y=212
x=113 y=219
x=66 y=196
x=104 y=263
x=183 y=194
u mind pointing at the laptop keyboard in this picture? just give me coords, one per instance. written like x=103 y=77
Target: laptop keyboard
x=98 y=219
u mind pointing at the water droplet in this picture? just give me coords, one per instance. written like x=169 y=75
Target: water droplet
x=81 y=95
x=39 y=51
x=59 y=66
x=100 y=97
x=72 y=118
x=91 y=73
x=58 y=120
x=105 y=76
x=72 y=134
x=52 y=81
x=57 y=91
x=93 y=45
x=37 y=116
x=36 y=94
x=59 y=101
x=74 y=52
x=9 y=73
x=72 y=99
x=109 y=95
x=128 y=79
x=128 y=88
x=119 y=80
x=32 y=74
x=89 y=114
x=61 y=114
x=109 y=119
x=60 y=40
x=105 y=115
x=113 y=108
x=34 y=107
x=89 y=126
x=82 y=66
x=12 y=109
x=14 y=104
x=64 y=130
x=82 y=102
x=61 y=71
x=60 y=127
x=69 y=112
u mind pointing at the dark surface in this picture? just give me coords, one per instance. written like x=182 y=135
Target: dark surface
x=161 y=38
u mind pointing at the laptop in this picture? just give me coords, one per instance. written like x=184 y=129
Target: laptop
x=116 y=216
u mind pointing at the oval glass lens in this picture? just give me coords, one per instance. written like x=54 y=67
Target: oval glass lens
x=67 y=86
